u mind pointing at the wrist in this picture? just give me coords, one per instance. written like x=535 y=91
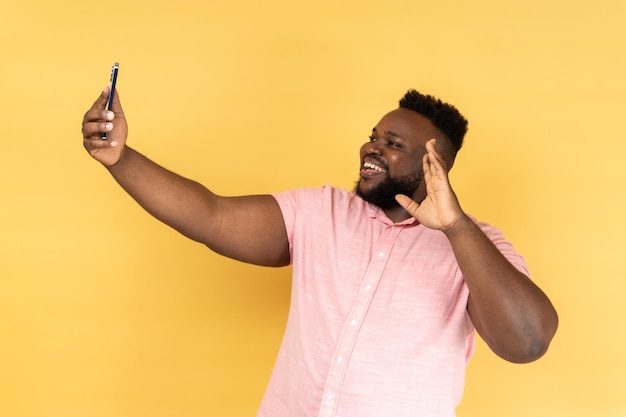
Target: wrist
x=123 y=153
x=464 y=224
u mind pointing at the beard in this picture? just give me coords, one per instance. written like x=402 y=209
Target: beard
x=384 y=194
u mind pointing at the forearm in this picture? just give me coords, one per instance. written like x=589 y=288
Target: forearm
x=176 y=201
x=247 y=228
x=510 y=312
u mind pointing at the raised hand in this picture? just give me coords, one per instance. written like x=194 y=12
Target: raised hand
x=440 y=209
x=97 y=120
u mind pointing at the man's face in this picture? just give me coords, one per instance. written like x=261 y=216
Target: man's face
x=391 y=162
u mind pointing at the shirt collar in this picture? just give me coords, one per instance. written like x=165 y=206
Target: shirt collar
x=377 y=213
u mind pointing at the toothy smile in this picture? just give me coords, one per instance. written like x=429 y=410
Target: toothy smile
x=369 y=165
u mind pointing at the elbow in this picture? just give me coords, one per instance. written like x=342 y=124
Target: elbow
x=525 y=352
x=533 y=345
x=529 y=353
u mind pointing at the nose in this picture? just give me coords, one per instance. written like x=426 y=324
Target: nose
x=373 y=148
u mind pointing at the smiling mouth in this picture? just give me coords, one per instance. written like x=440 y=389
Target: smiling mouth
x=368 y=167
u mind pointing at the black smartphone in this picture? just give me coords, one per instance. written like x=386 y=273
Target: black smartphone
x=113 y=80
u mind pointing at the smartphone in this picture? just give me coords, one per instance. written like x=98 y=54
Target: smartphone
x=113 y=80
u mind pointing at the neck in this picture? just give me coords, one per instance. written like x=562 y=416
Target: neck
x=397 y=214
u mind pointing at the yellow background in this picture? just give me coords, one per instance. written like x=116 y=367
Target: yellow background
x=105 y=312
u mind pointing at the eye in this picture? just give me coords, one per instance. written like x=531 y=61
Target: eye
x=393 y=144
x=372 y=138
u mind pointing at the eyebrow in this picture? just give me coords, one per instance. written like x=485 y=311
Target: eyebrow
x=389 y=133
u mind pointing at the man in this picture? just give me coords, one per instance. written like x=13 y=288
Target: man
x=389 y=281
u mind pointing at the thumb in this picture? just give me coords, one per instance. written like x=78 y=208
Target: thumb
x=407 y=203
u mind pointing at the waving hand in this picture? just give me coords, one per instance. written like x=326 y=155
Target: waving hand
x=440 y=209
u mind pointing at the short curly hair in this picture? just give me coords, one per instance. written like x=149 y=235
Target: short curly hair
x=444 y=116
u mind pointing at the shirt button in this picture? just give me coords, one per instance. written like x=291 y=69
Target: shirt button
x=353 y=322
x=340 y=359
x=368 y=287
x=381 y=254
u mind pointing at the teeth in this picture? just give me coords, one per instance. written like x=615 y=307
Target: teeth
x=369 y=165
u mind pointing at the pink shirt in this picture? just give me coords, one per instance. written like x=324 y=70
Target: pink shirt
x=378 y=323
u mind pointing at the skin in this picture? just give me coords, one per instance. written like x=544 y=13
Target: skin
x=509 y=311
x=183 y=204
x=397 y=145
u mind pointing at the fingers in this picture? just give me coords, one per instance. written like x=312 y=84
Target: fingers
x=407 y=203
x=101 y=101
x=97 y=121
x=92 y=134
x=434 y=164
x=98 y=109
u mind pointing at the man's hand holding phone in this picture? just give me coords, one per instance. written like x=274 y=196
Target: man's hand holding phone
x=104 y=126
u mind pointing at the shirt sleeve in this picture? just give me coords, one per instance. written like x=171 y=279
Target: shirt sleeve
x=505 y=247
x=293 y=203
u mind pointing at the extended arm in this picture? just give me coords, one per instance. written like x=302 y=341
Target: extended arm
x=248 y=228
x=512 y=314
